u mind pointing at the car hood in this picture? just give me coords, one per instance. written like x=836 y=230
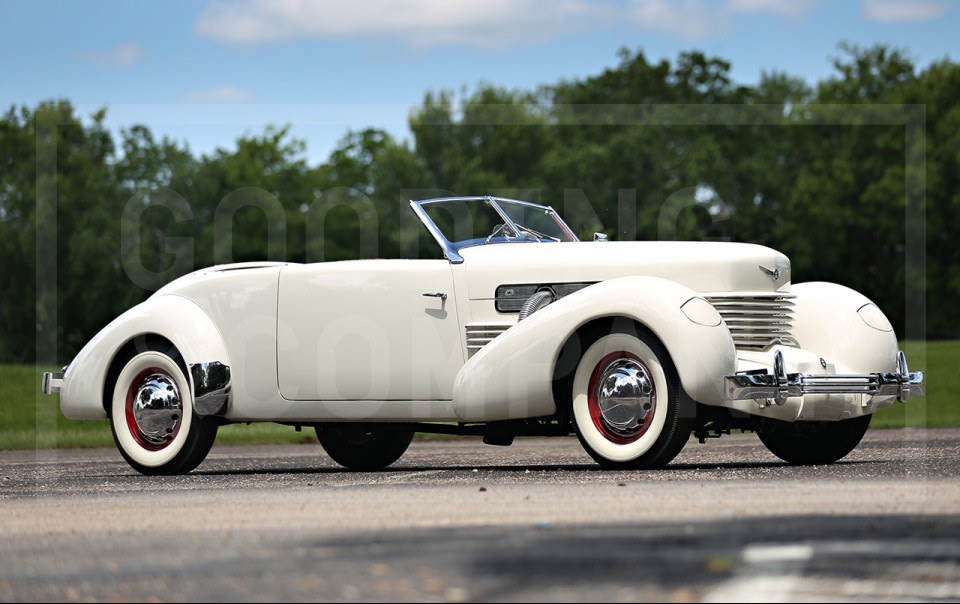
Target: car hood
x=701 y=266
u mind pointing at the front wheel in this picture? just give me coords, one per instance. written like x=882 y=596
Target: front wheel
x=363 y=447
x=812 y=443
x=152 y=417
x=626 y=401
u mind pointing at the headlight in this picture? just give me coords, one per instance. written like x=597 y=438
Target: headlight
x=874 y=317
x=701 y=312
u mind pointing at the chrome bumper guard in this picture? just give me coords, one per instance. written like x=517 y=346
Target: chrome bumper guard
x=763 y=387
x=212 y=388
x=52 y=382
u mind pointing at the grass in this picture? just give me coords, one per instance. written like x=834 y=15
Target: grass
x=30 y=420
x=940 y=408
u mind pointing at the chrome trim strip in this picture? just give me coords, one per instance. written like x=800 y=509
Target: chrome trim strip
x=51 y=382
x=211 y=388
x=764 y=387
x=448 y=250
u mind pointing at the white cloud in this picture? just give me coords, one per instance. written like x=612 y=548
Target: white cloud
x=690 y=19
x=419 y=23
x=786 y=8
x=700 y=19
x=477 y=23
x=221 y=94
x=898 y=11
x=123 y=55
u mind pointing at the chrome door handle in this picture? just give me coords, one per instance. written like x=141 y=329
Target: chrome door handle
x=441 y=295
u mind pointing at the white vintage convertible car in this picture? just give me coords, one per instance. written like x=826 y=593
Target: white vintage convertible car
x=520 y=330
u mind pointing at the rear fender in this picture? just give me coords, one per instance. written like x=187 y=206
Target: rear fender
x=173 y=317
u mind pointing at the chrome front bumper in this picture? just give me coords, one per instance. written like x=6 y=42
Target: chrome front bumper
x=777 y=387
x=52 y=382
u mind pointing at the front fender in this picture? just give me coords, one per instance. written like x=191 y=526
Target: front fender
x=844 y=327
x=512 y=376
x=174 y=317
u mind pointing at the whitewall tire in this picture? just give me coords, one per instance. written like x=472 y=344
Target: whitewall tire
x=152 y=416
x=625 y=401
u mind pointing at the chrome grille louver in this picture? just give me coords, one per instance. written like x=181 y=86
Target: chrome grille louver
x=756 y=321
x=481 y=334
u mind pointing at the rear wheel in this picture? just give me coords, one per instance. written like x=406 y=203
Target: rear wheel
x=810 y=443
x=625 y=401
x=363 y=447
x=152 y=417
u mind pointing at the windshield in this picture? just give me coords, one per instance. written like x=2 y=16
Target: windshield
x=537 y=221
x=458 y=222
x=462 y=222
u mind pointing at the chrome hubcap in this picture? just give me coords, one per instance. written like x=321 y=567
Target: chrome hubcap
x=156 y=409
x=622 y=397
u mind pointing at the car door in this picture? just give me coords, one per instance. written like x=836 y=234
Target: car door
x=364 y=330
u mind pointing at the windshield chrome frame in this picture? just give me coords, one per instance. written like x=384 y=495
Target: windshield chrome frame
x=450 y=249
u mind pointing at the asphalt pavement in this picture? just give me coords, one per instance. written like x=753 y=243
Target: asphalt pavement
x=455 y=520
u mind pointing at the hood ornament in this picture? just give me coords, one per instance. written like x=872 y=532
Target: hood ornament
x=780 y=270
x=774 y=273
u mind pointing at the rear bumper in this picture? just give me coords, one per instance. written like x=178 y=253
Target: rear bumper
x=52 y=382
x=211 y=387
x=775 y=388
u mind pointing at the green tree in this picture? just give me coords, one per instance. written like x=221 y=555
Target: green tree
x=642 y=150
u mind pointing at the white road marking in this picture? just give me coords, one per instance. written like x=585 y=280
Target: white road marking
x=918 y=571
x=767 y=573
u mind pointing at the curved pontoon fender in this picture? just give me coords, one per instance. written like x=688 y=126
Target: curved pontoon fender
x=843 y=326
x=173 y=317
x=512 y=376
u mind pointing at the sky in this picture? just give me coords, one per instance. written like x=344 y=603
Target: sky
x=207 y=71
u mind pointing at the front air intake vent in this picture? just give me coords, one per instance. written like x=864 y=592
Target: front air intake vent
x=756 y=321
x=510 y=298
x=481 y=334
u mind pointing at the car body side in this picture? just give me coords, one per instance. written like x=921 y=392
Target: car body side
x=360 y=340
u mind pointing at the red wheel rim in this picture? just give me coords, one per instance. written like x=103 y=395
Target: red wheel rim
x=157 y=388
x=615 y=365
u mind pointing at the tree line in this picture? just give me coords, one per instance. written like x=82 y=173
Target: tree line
x=854 y=177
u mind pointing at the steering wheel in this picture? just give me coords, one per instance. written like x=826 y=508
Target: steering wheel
x=501 y=230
